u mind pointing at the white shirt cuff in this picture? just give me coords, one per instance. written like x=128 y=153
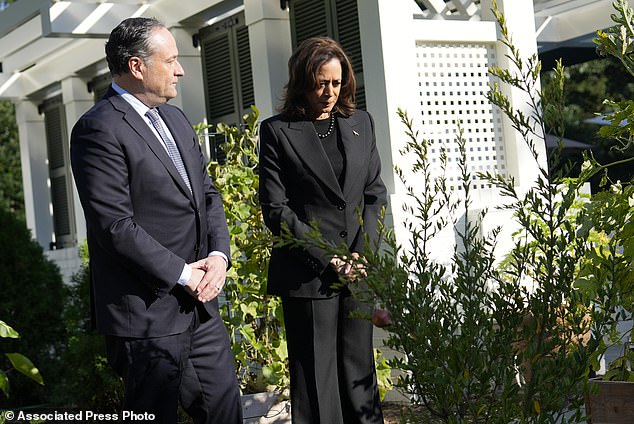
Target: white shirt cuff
x=222 y=255
x=185 y=275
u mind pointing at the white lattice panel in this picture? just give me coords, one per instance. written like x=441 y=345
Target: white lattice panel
x=453 y=82
x=449 y=9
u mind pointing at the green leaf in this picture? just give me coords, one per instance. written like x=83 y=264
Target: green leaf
x=24 y=365
x=4 y=383
x=7 y=331
x=253 y=309
x=248 y=333
x=282 y=351
x=586 y=285
x=236 y=230
x=267 y=372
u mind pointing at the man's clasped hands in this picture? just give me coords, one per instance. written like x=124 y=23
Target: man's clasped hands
x=208 y=278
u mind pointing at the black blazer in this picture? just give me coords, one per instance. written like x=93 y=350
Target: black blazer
x=298 y=185
x=142 y=222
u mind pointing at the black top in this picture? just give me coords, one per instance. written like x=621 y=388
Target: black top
x=333 y=147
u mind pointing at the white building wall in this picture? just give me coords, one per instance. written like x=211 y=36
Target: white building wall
x=76 y=100
x=67 y=260
x=389 y=59
x=191 y=94
x=522 y=33
x=436 y=69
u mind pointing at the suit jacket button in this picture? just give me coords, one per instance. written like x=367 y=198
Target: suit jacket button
x=343 y=234
x=341 y=206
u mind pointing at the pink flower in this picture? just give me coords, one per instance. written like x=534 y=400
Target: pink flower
x=381 y=318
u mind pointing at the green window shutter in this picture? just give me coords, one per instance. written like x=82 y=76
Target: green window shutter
x=99 y=85
x=61 y=212
x=348 y=35
x=244 y=67
x=228 y=76
x=54 y=137
x=219 y=84
x=347 y=16
x=309 y=18
x=59 y=171
x=227 y=70
x=338 y=19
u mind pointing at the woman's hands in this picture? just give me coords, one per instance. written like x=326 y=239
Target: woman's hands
x=352 y=268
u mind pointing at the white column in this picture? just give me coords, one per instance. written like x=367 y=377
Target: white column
x=522 y=31
x=35 y=176
x=270 y=44
x=389 y=64
x=77 y=100
x=191 y=92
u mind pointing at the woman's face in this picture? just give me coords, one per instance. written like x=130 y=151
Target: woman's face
x=323 y=99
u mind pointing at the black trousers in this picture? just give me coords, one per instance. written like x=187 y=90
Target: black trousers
x=195 y=367
x=333 y=378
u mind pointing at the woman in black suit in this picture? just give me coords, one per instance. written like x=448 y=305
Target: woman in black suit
x=319 y=163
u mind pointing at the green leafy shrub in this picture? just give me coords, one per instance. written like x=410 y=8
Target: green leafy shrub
x=18 y=361
x=32 y=295
x=88 y=382
x=253 y=318
x=607 y=274
x=11 y=192
x=456 y=330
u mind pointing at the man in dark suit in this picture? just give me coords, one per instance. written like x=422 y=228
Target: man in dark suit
x=157 y=236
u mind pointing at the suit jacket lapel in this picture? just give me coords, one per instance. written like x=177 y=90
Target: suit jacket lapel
x=353 y=147
x=138 y=124
x=175 y=127
x=309 y=148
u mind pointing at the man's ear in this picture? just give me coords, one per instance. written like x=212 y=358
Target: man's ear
x=136 y=66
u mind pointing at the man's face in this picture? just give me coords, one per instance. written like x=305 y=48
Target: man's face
x=161 y=70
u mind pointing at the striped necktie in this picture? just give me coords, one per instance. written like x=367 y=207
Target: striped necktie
x=170 y=145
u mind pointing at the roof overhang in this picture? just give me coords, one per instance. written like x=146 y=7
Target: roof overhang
x=71 y=19
x=566 y=28
x=45 y=41
x=77 y=19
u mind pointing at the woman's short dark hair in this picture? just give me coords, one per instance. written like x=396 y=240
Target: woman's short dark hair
x=303 y=67
x=131 y=38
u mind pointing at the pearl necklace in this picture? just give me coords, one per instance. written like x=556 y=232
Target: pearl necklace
x=330 y=128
